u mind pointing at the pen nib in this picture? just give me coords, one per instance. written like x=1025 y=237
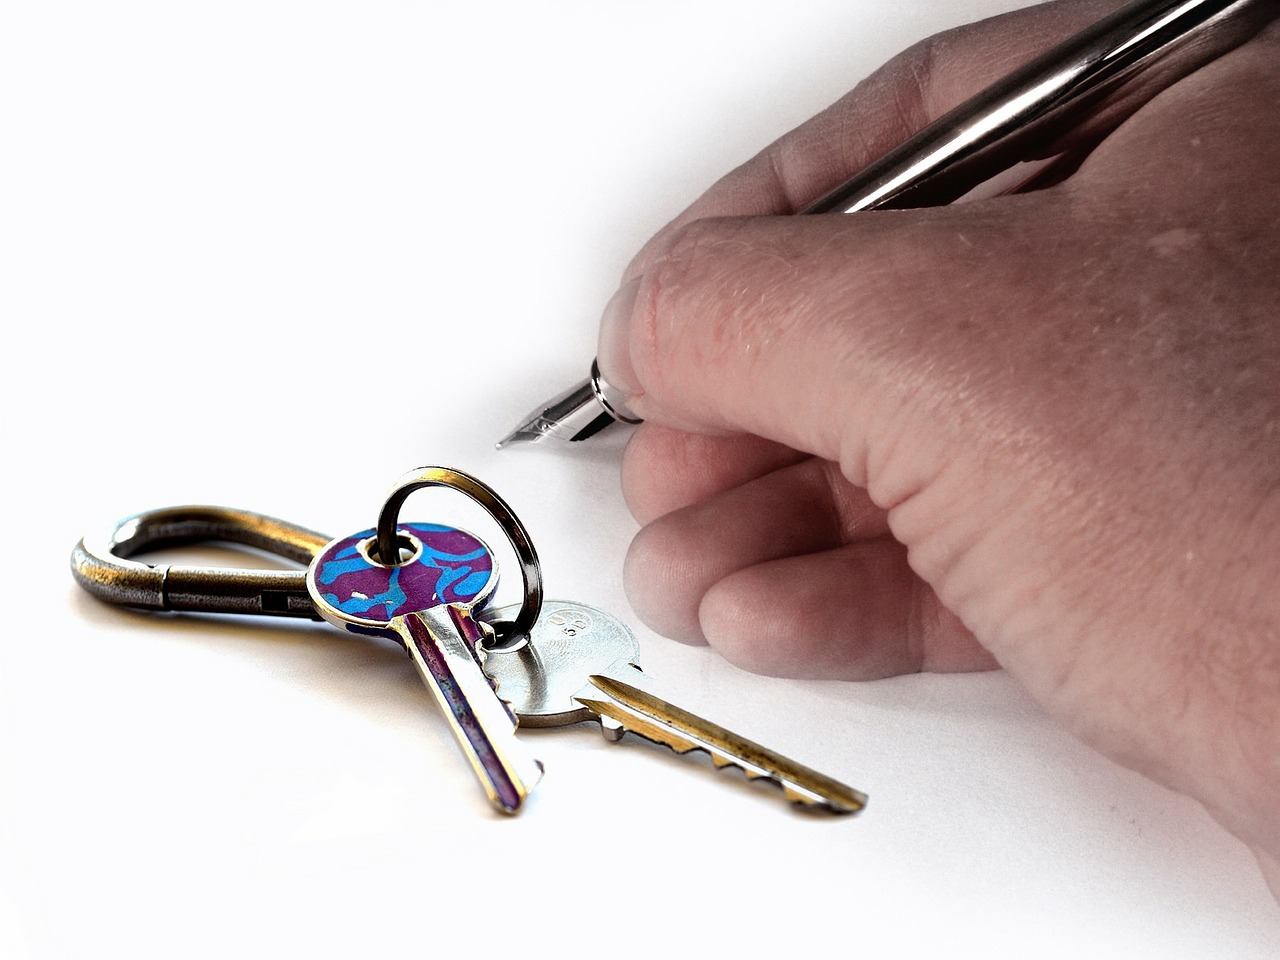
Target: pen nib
x=530 y=432
x=573 y=415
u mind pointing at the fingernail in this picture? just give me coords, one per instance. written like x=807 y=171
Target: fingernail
x=614 y=350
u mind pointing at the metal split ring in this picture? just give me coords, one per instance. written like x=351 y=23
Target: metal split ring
x=388 y=546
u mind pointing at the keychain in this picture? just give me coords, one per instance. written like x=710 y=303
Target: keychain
x=426 y=587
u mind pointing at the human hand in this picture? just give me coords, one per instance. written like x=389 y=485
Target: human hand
x=1040 y=431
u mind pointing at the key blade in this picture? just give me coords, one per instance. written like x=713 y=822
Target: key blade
x=645 y=715
x=441 y=641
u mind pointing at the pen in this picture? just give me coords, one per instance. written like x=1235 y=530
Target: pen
x=1005 y=137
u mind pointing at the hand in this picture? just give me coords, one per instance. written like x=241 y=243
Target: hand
x=1040 y=431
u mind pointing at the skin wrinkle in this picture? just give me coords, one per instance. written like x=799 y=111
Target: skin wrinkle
x=672 y=273
x=945 y=521
x=1217 y=698
x=1258 y=712
x=1093 y=669
x=798 y=166
x=1255 y=715
x=914 y=651
x=917 y=100
x=1228 y=668
x=844 y=514
x=777 y=168
x=1253 y=586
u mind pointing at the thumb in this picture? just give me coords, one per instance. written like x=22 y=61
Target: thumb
x=868 y=340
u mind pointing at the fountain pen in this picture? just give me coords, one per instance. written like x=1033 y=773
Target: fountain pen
x=1028 y=129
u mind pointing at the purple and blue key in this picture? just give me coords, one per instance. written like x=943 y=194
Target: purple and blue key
x=423 y=600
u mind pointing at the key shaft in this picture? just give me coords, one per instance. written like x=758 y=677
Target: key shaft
x=637 y=711
x=440 y=641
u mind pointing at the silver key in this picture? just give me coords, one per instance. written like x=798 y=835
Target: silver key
x=424 y=601
x=580 y=664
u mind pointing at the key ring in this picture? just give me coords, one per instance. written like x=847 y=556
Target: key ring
x=388 y=541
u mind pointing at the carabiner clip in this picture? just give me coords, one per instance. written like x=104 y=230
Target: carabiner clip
x=104 y=568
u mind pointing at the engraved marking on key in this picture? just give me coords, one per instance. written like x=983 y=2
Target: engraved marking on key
x=580 y=664
x=424 y=602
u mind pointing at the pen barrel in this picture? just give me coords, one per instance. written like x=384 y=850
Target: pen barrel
x=1056 y=107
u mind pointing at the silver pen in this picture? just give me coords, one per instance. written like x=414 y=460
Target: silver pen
x=1009 y=134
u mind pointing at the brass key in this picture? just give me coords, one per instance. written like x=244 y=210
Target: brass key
x=580 y=664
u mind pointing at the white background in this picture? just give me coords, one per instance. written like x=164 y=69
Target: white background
x=272 y=255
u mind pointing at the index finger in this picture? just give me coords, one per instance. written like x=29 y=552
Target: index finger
x=909 y=92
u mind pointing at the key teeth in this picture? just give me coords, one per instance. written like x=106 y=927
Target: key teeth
x=506 y=704
x=806 y=800
x=611 y=729
x=482 y=655
x=790 y=791
x=682 y=732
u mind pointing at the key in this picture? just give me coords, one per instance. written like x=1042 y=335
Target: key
x=424 y=602
x=579 y=664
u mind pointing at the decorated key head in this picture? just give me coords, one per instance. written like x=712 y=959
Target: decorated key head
x=354 y=590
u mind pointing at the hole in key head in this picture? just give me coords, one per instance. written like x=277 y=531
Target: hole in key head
x=408 y=547
x=503 y=637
